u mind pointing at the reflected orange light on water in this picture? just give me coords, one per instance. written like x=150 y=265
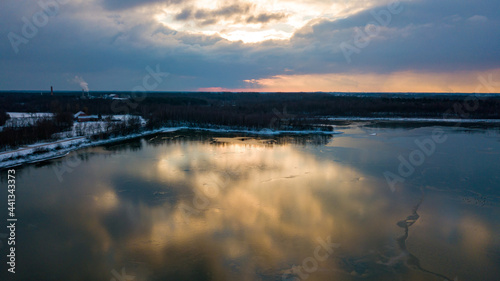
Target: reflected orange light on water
x=249 y=209
x=270 y=197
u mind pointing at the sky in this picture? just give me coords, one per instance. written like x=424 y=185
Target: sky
x=260 y=45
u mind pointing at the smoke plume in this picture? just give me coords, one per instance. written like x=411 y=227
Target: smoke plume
x=83 y=84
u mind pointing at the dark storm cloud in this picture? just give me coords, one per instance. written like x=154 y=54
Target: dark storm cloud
x=184 y=15
x=425 y=36
x=110 y=59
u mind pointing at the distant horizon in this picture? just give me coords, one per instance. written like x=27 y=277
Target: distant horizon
x=248 y=92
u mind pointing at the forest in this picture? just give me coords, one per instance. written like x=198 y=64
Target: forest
x=247 y=106
x=239 y=110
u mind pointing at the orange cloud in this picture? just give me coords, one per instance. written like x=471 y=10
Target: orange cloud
x=459 y=82
x=213 y=89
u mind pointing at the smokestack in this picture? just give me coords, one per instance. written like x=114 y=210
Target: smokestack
x=51 y=91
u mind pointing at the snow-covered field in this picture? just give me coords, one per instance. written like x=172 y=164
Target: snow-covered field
x=66 y=141
x=24 y=119
x=30 y=115
x=95 y=127
x=41 y=147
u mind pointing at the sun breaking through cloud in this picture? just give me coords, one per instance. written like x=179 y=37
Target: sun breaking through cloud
x=254 y=21
x=261 y=45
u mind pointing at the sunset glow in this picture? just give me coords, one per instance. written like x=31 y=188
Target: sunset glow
x=262 y=46
x=253 y=21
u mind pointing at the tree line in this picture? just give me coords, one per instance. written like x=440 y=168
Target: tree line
x=248 y=104
x=242 y=110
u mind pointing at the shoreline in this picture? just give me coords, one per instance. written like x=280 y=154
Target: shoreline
x=50 y=154
x=31 y=158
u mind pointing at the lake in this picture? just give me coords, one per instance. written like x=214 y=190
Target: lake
x=378 y=202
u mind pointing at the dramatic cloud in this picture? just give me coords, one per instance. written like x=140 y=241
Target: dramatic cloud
x=223 y=44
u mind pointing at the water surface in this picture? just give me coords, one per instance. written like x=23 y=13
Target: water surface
x=199 y=206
